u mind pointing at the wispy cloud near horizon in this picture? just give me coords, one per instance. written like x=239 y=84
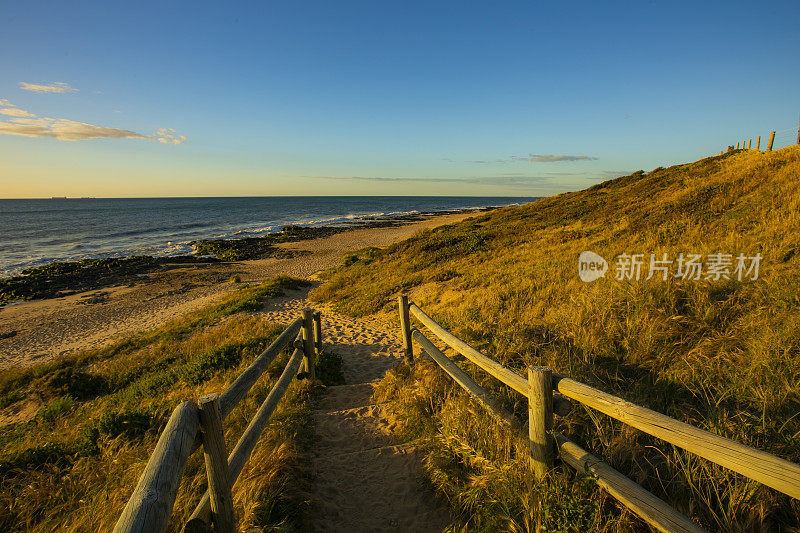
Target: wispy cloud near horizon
x=27 y=124
x=506 y=181
x=530 y=158
x=53 y=87
x=550 y=158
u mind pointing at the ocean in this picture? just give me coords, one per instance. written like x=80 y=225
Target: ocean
x=36 y=232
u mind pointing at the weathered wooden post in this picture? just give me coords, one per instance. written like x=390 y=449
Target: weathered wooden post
x=308 y=343
x=219 y=484
x=405 y=327
x=318 y=332
x=798 y=134
x=771 y=140
x=749 y=144
x=737 y=146
x=540 y=418
x=758 y=142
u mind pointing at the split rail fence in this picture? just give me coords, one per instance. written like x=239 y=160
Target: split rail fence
x=544 y=444
x=194 y=425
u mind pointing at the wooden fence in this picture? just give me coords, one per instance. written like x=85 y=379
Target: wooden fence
x=747 y=144
x=193 y=425
x=544 y=444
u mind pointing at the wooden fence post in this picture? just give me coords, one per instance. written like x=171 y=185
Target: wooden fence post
x=758 y=142
x=750 y=144
x=308 y=343
x=737 y=146
x=219 y=481
x=318 y=332
x=771 y=140
x=540 y=418
x=405 y=327
x=798 y=134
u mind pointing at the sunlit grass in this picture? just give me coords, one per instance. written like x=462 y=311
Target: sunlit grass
x=73 y=467
x=724 y=356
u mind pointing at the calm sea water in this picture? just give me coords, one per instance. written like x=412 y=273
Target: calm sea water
x=35 y=232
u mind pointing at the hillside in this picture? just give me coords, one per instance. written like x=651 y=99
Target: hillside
x=722 y=354
x=93 y=419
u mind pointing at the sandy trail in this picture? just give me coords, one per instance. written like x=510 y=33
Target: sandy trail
x=364 y=480
x=37 y=331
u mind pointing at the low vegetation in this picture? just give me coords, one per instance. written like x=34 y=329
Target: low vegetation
x=723 y=355
x=264 y=246
x=70 y=277
x=73 y=465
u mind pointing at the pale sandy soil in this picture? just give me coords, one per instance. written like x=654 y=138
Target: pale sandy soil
x=364 y=480
x=44 y=329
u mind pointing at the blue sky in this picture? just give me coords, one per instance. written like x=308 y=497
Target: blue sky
x=450 y=98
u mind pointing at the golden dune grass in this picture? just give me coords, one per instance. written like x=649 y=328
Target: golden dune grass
x=722 y=355
x=74 y=466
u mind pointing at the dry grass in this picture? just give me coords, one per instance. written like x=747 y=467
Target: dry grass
x=724 y=356
x=74 y=466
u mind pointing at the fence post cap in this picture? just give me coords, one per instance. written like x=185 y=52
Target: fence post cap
x=207 y=398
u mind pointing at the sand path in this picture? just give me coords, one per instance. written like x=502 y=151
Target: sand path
x=364 y=480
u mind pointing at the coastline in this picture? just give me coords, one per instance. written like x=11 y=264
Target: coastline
x=64 y=277
x=37 y=331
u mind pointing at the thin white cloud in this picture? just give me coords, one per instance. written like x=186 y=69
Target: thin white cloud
x=531 y=158
x=15 y=112
x=550 y=158
x=5 y=103
x=27 y=124
x=64 y=129
x=503 y=181
x=54 y=87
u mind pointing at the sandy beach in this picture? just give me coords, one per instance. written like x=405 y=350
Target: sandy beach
x=36 y=331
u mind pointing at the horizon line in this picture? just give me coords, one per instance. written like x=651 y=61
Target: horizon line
x=265 y=196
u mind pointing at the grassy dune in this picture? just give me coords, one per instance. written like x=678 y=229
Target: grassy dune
x=722 y=355
x=73 y=467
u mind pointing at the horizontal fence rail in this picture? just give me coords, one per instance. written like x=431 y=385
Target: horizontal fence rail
x=507 y=376
x=760 y=466
x=649 y=507
x=494 y=407
x=150 y=506
x=239 y=388
x=241 y=453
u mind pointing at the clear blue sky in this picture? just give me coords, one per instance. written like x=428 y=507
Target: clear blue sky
x=450 y=98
